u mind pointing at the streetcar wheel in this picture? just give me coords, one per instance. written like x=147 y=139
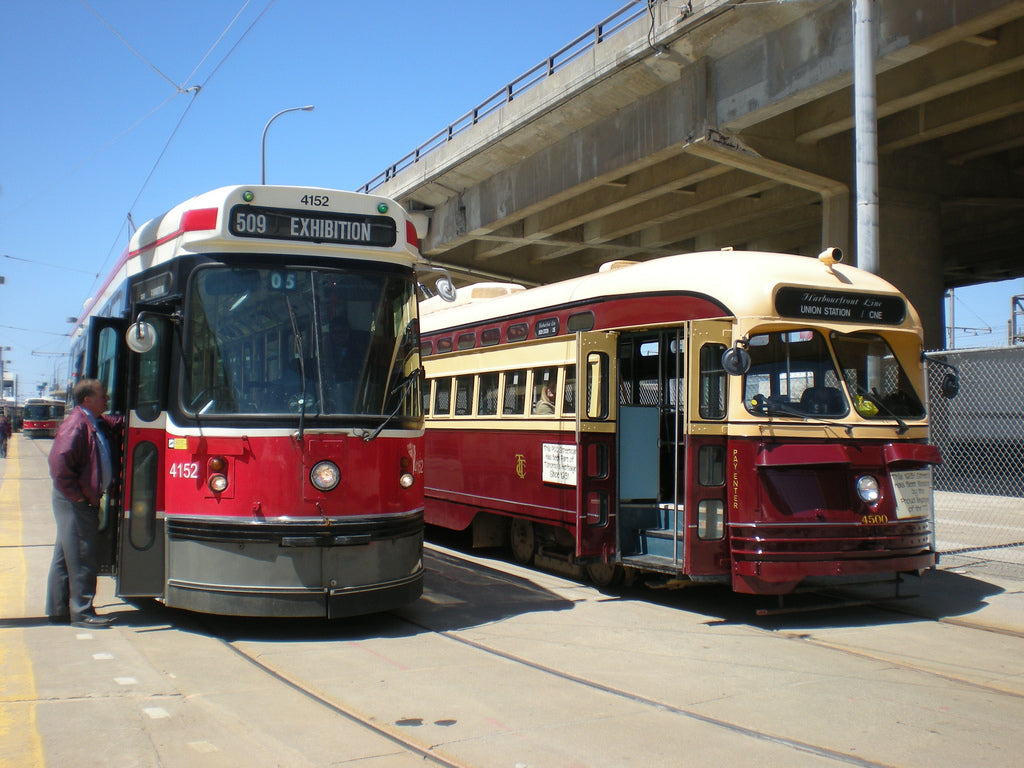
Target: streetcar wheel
x=605 y=575
x=522 y=541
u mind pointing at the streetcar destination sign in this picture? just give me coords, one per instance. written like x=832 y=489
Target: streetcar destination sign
x=816 y=304
x=312 y=226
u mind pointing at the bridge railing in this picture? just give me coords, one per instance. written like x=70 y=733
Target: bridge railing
x=593 y=37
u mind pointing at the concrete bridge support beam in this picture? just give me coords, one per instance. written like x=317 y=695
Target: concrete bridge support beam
x=910 y=250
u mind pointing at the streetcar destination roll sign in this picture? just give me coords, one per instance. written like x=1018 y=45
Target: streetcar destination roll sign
x=312 y=226
x=817 y=304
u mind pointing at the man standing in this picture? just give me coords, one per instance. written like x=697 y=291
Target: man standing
x=82 y=465
x=5 y=434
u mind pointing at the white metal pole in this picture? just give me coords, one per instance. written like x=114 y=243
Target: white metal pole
x=865 y=133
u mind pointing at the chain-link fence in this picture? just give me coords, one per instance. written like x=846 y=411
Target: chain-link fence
x=979 y=487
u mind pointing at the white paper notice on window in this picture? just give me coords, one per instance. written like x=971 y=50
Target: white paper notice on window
x=559 y=464
x=913 y=493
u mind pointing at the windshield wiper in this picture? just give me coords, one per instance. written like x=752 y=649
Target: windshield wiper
x=769 y=409
x=302 y=368
x=401 y=386
x=876 y=399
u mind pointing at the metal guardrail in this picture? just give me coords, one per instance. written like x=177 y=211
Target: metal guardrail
x=597 y=34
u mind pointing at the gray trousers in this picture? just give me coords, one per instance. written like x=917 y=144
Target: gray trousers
x=71 y=585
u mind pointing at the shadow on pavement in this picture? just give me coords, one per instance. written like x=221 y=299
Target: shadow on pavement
x=457 y=595
x=935 y=595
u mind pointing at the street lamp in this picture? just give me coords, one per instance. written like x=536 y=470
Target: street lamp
x=263 y=141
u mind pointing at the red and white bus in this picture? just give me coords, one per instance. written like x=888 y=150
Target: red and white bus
x=41 y=416
x=752 y=419
x=263 y=344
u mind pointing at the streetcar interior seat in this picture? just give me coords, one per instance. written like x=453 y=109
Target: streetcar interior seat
x=822 y=400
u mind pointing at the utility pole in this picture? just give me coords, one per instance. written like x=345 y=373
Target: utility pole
x=865 y=130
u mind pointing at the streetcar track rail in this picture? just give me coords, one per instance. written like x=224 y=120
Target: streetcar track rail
x=429 y=752
x=350 y=714
x=654 y=703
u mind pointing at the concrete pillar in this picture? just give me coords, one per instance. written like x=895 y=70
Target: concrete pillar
x=911 y=256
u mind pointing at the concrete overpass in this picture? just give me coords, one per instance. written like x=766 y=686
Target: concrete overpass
x=675 y=126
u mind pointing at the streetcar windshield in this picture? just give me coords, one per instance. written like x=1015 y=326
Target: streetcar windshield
x=321 y=342
x=43 y=411
x=792 y=373
x=880 y=386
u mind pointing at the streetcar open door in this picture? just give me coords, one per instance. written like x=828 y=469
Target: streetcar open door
x=106 y=360
x=141 y=568
x=671 y=443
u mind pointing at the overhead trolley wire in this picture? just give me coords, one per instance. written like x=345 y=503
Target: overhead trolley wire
x=129 y=45
x=195 y=90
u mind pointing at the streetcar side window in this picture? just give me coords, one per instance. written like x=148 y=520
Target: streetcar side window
x=515 y=394
x=569 y=391
x=545 y=387
x=598 y=385
x=107 y=364
x=143 y=502
x=463 y=395
x=713 y=382
x=442 y=397
x=152 y=376
x=487 y=401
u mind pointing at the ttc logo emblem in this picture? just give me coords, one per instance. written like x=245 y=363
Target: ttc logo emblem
x=521 y=466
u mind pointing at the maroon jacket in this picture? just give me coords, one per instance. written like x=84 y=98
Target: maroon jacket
x=75 y=464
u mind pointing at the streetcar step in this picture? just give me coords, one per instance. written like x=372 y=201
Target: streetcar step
x=658 y=542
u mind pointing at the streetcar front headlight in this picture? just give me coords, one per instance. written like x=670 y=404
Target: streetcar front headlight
x=325 y=475
x=867 y=489
x=217 y=483
x=406 y=480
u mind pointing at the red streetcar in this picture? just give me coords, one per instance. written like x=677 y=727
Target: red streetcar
x=751 y=419
x=41 y=416
x=263 y=343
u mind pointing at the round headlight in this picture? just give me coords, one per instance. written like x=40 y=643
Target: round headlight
x=867 y=489
x=217 y=483
x=325 y=475
x=406 y=480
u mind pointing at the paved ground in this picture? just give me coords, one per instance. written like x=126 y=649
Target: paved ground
x=512 y=668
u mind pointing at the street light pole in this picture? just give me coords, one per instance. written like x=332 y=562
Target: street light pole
x=3 y=374
x=263 y=141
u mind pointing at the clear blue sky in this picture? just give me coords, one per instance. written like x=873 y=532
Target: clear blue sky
x=92 y=130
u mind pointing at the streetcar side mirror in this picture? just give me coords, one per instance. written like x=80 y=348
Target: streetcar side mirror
x=950 y=386
x=140 y=336
x=736 y=361
x=445 y=288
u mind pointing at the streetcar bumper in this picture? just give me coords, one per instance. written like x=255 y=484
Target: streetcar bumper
x=772 y=559
x=759 y=577
x=295 y=569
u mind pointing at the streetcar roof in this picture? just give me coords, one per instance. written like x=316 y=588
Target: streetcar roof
x=200 y=225
x=743 y=283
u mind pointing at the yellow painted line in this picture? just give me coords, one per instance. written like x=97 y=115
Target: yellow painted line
x=20 y=745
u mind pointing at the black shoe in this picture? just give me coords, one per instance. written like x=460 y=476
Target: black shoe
x=92 y=622
x=59 y=619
